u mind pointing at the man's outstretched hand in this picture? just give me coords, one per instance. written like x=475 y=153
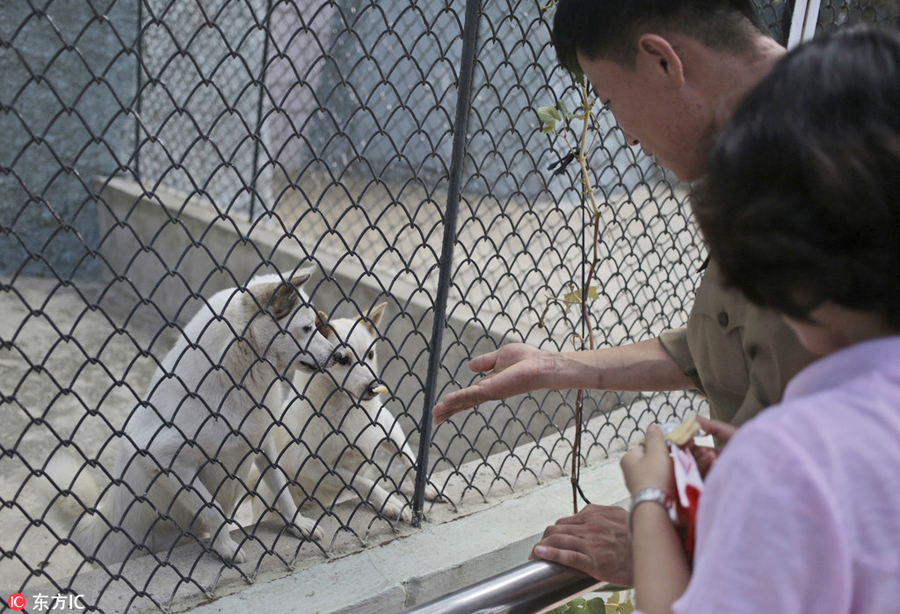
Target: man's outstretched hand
x=513 y=369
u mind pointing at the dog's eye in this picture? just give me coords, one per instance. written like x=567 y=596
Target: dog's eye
x=308 y=328
x=371 y=354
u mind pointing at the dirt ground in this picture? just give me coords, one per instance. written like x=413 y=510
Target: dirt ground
x=68 y=373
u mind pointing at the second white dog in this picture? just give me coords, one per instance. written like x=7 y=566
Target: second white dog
x=339 y=439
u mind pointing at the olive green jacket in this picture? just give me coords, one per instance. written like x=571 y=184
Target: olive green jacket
x=739 y=355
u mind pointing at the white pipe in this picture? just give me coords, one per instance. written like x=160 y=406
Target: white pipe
x=803 y=21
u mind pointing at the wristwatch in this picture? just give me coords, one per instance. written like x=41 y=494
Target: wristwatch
x=650 y=494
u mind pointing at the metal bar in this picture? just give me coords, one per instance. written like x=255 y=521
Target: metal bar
x=803 y=21
x=138 y=93
x=463 y=103
x=536 y=586
x=257 y=138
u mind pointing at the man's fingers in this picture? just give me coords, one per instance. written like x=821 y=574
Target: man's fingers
x=457 y=401
x=483 y=362
x=630 y=458
x=569 y=558
x=569 y=520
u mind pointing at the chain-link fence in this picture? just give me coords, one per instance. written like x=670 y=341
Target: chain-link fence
x=159 y=151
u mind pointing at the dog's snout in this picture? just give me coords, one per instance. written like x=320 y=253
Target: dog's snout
x=374 y=388
x=342 y=357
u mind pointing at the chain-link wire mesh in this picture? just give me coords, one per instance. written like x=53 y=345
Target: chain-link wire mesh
x=159 y=151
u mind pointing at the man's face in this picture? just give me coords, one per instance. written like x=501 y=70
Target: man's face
x=668 y=122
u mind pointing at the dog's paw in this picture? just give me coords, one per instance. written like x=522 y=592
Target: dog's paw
x=306 y=528
x=229 y=550
x=432 y=494
x=395 y=507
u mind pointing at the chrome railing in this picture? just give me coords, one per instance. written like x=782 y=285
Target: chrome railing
x=536 y=586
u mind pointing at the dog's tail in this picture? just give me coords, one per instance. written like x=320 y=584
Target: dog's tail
x=72 y=498
x=68 y=487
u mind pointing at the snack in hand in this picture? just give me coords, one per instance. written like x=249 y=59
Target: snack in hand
x=688 y=481
x=684 y=432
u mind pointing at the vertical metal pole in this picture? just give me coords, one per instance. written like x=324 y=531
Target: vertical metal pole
x=138 y=94
x=803 y=21
x=266 y=24
x=463 y=102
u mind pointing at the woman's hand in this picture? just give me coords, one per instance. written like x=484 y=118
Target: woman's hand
x=704 y=455
x=649 y=465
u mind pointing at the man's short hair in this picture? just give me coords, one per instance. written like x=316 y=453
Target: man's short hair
x=801 y=201
x=610 y=29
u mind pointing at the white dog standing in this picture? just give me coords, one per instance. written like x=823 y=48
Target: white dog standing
x=188 y=450
x=339 y=439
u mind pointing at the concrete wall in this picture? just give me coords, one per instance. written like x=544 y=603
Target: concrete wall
x=65 y=104
x=161 y=252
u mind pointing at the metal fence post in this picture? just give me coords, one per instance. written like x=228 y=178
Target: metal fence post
x=463 y=102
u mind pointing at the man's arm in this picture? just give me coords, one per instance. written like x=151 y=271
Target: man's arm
x=519 y=368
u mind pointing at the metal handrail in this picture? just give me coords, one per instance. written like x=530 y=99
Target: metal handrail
x=531 y=588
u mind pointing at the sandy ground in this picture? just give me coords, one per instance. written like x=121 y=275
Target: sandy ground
x=68 y=373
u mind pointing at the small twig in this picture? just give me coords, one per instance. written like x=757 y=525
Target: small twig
x=549 y=117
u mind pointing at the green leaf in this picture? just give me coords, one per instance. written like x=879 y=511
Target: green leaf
x=614 y=598
x=579 y=75
x=575 y=297
x=595 y=606
x=625 y=608
x=548 y=115
x=564 y=109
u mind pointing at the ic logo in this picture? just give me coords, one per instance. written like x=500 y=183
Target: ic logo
x=16 y=601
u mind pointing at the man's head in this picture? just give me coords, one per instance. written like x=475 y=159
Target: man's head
x=801 y=202
x=610 y=29
x=670 y=70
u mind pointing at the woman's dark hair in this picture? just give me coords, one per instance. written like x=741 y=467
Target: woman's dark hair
x=609 y=29
x=801 y=200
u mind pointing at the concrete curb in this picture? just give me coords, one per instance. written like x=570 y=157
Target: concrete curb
x=441 y=558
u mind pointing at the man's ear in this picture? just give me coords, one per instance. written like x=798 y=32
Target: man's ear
x=657 y=54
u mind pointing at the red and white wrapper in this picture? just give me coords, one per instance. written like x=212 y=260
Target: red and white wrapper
x=688 y=486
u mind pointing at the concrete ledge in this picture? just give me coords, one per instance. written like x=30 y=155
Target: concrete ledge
x=443 y=556
x=366 y=564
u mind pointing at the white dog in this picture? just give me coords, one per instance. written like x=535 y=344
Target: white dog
x=339 y=439
x=188 y=450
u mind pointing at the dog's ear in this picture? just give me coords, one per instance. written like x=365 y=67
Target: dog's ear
x=282 y=299
x=322 y=324
x=375 y=314
x=371 y=318
x=301 y=278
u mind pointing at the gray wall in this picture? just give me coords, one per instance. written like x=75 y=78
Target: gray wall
x=67 y=89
